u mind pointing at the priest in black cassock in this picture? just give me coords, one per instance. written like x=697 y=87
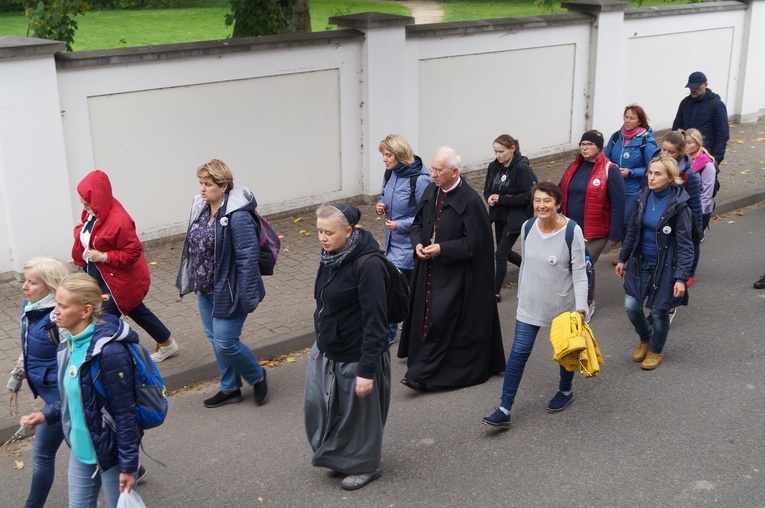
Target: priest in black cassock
x=452 y=337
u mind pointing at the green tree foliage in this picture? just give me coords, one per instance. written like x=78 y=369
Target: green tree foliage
x=54 y=19
x=260 y=17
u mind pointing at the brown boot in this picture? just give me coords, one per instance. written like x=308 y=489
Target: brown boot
x=640 y=352
x=652 y=360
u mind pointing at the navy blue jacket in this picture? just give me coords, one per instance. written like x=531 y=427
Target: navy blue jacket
x=39 y=354
x=674 y=249
x=115 y=440
x=238 y=286
x=710 y=116
x=350 y=319
x=692 y=186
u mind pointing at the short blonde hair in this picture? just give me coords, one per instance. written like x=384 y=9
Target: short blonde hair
x=50 y=270
x=670 y=164
x=696 y=136
x=85 y=291
x=398 y=146
x=217 y=171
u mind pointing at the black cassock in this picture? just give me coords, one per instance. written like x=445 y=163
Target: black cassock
x=452 y=336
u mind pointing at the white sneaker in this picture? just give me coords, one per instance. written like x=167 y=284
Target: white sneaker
x=165 y=352
x=672 y=313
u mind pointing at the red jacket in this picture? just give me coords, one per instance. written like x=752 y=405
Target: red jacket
x=126 y=272
x=597 y=206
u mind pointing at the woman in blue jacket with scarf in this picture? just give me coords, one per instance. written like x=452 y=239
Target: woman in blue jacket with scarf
x=219 y=263
x=101 y=431
x=37 y=363
x=631 y=148
x=405 y=179
x=658 y=254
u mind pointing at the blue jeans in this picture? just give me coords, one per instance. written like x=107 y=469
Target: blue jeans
x=697 y=251
x=235 y=360
x=84 y=488
x=47 y=441
x=655 y=333
x=523 y=343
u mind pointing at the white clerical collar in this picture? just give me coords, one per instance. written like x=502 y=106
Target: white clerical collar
x=456 y=184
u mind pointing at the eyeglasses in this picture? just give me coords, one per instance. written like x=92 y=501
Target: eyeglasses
x=586 y=145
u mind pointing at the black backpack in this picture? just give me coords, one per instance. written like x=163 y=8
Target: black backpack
x=398 y=292
x=695 y=233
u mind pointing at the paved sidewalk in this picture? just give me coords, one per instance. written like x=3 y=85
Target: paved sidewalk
x=284 y=321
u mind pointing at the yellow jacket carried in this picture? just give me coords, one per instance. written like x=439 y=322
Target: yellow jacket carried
x=574 y=345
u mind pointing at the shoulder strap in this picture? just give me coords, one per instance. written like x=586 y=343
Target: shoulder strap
x=712 y=104
x=527 y=228
x=642 y=147
x=386 y=177
x=614 y=137
x=359 y=263
x=95 y=372
x=412 y=189
x=570 y=225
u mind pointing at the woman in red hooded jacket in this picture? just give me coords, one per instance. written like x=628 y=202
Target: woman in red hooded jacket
x=107 y=247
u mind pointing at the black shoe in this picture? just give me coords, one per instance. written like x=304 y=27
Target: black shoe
x=221 y=398
x=760 y=284
x=498 y=297
x=141 y=474
x=261 y=390
x=414 y=385
x=356 y=481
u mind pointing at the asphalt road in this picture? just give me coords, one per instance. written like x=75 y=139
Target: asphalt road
x=689 y=434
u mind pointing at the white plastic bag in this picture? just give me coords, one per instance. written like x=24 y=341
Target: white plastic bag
x=130 y=500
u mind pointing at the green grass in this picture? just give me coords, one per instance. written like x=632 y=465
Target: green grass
x=203 y=20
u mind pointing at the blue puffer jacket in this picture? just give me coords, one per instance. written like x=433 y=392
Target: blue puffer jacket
x=675 y=251
x=238 y=286
x=691 y=184
x=39 y=353
x=395 y=195
x=115 y=442
x=631 y=157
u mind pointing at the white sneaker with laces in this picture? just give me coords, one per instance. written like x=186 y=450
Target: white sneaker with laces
x=590 y=312
x=165 y=352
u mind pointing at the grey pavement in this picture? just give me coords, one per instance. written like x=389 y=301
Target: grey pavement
x=284 y=321
x=687 y=435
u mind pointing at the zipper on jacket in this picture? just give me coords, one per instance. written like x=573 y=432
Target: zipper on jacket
x=230 y=291
x=321 y=299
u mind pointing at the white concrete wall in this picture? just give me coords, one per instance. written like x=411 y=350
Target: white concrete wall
x=299 y=118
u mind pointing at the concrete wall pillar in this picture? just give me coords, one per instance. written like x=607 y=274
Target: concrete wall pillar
x=383 y=80
x=607 y=71
x=751 y=78
x=35 y=204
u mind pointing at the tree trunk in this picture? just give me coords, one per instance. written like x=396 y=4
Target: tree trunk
x=301 y=16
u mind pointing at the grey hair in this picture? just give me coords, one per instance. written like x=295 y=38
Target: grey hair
x=453 y=159
x=330 y=212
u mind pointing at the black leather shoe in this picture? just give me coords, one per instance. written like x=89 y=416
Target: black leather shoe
x=414 y=385
x=222 y=398
x=760 y=284
x=261 y=390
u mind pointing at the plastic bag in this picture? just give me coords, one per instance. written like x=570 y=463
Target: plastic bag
x=130 y=500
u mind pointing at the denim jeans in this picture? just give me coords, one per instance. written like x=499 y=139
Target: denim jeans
x=84 y=488
x=504 y=254
x=393 y=327
x=47 y=441
x=523 y=343
x=697 y=251
x=655 y=333
x=235 y=360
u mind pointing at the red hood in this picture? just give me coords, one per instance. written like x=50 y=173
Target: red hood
x=96 y=190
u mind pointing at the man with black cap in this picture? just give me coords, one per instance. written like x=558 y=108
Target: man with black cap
x=704 y=110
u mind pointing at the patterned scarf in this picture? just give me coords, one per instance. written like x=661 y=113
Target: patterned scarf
x=334 y=260
x=628 y=136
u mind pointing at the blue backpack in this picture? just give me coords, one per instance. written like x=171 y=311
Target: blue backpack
x=150 y=393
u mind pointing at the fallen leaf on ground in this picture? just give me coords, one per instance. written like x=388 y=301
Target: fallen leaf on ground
x=153 y=263
x=297 y=220
x=19 y=464
x=289 y=359
x=731 y=222
x=739 y=142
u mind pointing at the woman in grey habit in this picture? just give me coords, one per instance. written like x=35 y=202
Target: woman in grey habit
x=347 y=386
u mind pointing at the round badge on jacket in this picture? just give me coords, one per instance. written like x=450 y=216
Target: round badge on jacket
x=666 y=230
x=596 y=182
